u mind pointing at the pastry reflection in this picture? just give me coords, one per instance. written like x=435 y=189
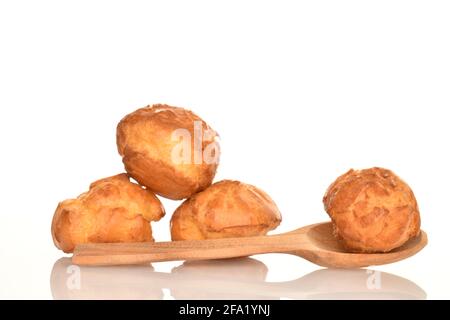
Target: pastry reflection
x=351 y=284
x=243 y=278
x=71 y=282
x=237 y=279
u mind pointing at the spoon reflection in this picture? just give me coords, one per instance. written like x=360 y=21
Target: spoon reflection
x=243 y=278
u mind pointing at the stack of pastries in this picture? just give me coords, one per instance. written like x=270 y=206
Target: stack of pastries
x=171 y=152
x=150 y=142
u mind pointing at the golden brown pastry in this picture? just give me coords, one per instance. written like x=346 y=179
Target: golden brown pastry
x=113 y=210
x=161 y=151
x=373 y=210
x=225 y=209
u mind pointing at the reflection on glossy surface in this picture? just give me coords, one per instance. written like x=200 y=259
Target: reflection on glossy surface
x=69 y=281
x=223 y=279
x=220 y=279
x=353 y=284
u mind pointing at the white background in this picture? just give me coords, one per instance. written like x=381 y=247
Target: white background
x=300 y=92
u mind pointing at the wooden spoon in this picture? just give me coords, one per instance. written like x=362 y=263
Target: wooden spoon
x=315 y=243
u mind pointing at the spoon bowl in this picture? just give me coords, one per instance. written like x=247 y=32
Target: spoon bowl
x=329 y=251
x=315 y=243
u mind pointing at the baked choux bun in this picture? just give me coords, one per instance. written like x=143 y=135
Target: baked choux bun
x=372 y=210
x=224 y=210
x=169 y=150
x=113 y=210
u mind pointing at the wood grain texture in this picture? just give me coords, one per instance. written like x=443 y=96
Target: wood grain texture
x=315 y=243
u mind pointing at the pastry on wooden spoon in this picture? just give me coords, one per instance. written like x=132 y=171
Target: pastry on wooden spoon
x=372 y=210
x=226 y=209
x=113 y=210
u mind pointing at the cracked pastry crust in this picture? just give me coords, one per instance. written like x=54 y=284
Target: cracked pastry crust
x=224 y=210
x=145 y=140
x=372 y=210
x=113 y=210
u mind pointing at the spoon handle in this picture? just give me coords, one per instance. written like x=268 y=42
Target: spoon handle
x=145 y=252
